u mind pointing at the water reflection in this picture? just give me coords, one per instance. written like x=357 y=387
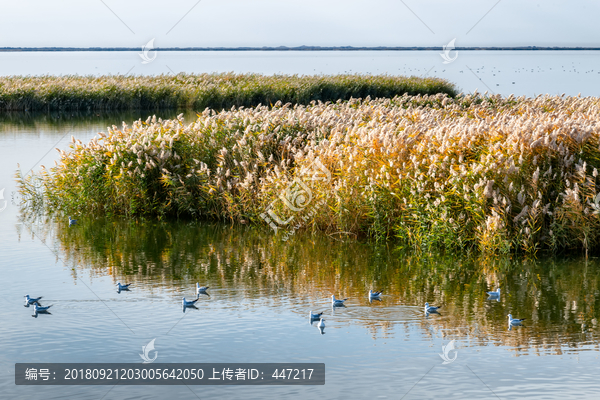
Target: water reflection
x=559 y=297
x=44 y=122
x=430 y=312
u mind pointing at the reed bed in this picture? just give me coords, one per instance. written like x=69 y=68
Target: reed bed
x=488 y=173
x=186 y=91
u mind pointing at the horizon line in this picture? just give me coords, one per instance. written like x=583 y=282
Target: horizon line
x=305 y=48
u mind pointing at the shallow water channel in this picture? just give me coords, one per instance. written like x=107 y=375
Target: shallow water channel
x=261 y=292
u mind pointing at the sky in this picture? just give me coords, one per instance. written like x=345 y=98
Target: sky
x=257 y=23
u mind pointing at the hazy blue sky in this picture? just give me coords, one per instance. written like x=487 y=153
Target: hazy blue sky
x=91 y=23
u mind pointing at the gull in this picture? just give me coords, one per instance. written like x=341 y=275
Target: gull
x=29 y=300
x=431 y=309
x=315 y=316
x=188 y=303
x=375 y=295
x=321 y=326
x=201 y=289
x=36 y=313
x=494 y=294
x=337 y=302
x=123 y=287
x=72 y=221
x=514 y=321
x=39 y=308
x=189 y=307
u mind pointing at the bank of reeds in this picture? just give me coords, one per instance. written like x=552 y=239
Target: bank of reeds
x=472 y=172
x=186 y=91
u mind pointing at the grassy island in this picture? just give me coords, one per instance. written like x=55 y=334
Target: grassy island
x=490 y=173
x=186 y=91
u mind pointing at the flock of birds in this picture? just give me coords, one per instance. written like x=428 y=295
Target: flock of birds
x=185 y=303
x=429 y=309
x=373 y=295
x=192 y=303
x=37 y=307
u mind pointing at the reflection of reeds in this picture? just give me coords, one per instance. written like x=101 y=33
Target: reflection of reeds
x=34 y=123
x=490 y=173
x=559 y=298
x=81 y=93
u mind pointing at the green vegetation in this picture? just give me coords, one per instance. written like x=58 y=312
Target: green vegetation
x=474 y=172
x=217 y=91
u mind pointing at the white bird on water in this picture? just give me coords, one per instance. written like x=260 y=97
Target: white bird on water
x=72 y=221
x=514 y=321
x=337 y=302
x=431 y=309
x=375 y=295
x=123 y=287
x=315 y=316
x=494 y=294
x=321 y=324
x=201 y=289
x=30 y=300
x=39 y=308
x=187 y=303
x=38 y=312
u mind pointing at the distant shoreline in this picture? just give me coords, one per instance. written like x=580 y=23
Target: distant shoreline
x=300 y=48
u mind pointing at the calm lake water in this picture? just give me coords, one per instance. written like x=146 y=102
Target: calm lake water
x=261 y=291
x=520 y=72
